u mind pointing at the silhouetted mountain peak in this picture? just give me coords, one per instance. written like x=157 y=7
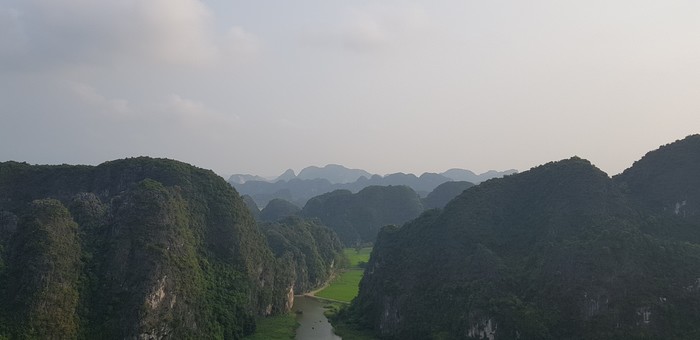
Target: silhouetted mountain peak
x=242 y=178
x=469 y=176
x=334 y=173
x=286 y=176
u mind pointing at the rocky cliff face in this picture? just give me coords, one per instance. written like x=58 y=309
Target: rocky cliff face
x=137 y=248
x=44 y=264
x=557 y=252
x=310 y=252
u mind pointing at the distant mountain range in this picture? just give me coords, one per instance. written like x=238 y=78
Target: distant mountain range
x=357 y=217
x=313 y=181
x=334 y=173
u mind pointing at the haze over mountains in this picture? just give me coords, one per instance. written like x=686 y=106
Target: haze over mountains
x=118 y=118
x=313 y=181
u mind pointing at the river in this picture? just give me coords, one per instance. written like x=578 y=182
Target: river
x=313 y=325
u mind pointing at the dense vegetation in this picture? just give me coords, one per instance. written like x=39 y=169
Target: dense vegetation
x=661 y=183
x=140 y=247
x=558 y=252
x=252 y=206
x=356 y=218
x=307 y=249
x=45 y=265
x=154 y=248
x=278 y=209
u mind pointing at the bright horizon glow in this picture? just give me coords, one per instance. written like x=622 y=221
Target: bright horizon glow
x=388 y=86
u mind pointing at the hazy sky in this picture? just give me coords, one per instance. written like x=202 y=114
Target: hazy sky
x=262 y=86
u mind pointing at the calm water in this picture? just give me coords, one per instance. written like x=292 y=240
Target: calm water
x=313 y=324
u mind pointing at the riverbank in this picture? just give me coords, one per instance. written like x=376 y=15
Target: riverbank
x=326 y=300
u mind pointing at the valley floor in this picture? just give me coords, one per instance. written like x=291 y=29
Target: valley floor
x=345 y=286
x=340 y=291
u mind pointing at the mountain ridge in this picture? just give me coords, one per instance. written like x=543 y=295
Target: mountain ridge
x=561 y=251
x=298 y=190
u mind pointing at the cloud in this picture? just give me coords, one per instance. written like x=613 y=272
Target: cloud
x=239 y=44
x=119 y=32
x=371 y=27
x=175 y=31
x=12 y=36
x=90 y=98
x=172 y=115
x=196 y=115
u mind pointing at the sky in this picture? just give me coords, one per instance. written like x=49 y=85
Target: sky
x=387 y=86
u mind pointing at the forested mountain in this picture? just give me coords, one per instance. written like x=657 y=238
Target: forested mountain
x=135 y=248
x=278 y=209
x=308 y=250
x=558 y=252
x=356 y=218
x=666 y=182
x=252 y=206
x=297 y=191
x=444 y=193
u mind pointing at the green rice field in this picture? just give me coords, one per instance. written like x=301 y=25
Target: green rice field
x=345 y=286
x=355 y=257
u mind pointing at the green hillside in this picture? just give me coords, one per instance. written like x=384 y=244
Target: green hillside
x=308 y=250
x=557 y=252
x=134 y=248
x=444 y=193
x=357 y=218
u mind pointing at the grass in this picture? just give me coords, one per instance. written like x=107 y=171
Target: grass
x=347 y=284
x=280 y=327
x=344 y=287
x=355 y=257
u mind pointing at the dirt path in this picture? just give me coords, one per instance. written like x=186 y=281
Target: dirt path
x=326 y=284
